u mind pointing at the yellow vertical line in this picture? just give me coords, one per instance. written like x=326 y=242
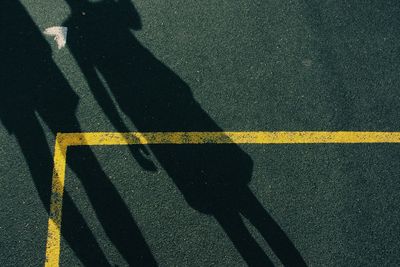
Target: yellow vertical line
x=54 y=223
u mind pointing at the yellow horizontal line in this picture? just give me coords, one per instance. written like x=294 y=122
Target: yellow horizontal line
x=64 y=140
x=281 y=137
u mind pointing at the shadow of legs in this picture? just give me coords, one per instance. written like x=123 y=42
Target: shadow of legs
x=284 y=249
x=111 y=209
x=246 y=245
x=78 y=235
x=38 y=157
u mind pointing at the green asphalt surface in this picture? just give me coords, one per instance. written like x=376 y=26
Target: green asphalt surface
x=301 y=65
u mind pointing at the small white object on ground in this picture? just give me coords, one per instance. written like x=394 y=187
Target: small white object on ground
x=59 y=33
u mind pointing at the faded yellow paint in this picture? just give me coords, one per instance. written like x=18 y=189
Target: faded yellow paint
x=57 y=191
x=134 y=138
x=64 y=140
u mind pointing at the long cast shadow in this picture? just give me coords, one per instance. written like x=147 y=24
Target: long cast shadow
x=34 y=87
x=212 y=178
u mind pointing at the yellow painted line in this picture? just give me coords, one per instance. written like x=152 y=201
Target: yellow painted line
x=57 y=191
x=63 y=140
x=134 y=138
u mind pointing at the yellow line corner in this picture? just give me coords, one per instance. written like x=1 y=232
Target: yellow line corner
x=63 y=140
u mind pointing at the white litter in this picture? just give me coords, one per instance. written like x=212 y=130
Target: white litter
x=59 y=33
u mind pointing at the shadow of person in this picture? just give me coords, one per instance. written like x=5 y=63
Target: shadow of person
x=32 y=87
x=212 y=178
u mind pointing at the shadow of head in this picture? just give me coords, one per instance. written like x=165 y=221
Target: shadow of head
x=108 y=9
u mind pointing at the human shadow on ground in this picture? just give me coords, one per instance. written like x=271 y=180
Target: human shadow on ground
x=212 y=178
x=33 y=87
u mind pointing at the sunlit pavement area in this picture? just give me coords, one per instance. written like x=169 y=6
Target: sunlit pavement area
x=201 y=66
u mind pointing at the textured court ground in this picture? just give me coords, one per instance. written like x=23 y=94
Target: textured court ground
x=207 y=66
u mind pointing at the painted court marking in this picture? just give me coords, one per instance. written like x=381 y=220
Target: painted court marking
x=64 y=140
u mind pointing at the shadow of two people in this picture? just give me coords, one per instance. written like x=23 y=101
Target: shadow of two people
x=212 y=178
